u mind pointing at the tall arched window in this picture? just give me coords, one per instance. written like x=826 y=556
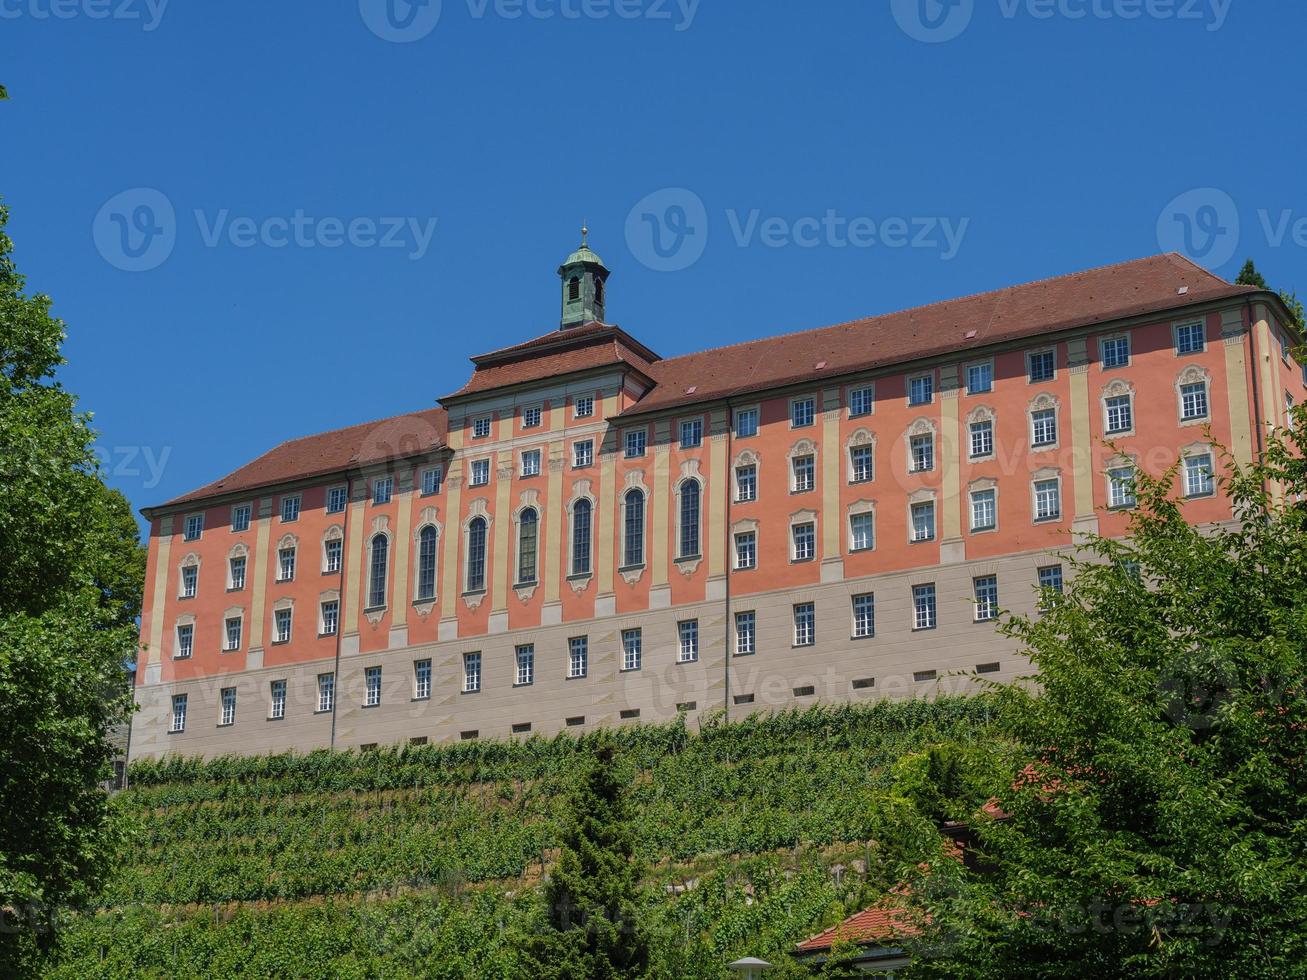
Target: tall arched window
x=689 y=519
x=599 y=290
x=574 y=288
x=581 y=538
x=527 y=536
x=427 y=563
x=476 y=554
x=633 y=536
x=377 y=575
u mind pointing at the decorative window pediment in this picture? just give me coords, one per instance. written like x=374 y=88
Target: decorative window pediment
x=1193 y=374
x=981 y=413
x=804 y=447
x=921 y=427
x=1117 y=388
x=983 y=483
x=1044 y=400
x=747 y=458
x=921 y=495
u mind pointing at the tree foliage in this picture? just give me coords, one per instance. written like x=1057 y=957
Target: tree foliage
x=1249 y=276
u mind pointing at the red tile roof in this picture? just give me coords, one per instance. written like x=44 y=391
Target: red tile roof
x=883 y=922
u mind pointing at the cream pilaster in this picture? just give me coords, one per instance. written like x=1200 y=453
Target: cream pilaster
x=1233 y=334
x=832 y=560
x=952 y=547
x=1082 y=447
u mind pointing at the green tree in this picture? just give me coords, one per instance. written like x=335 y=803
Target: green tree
x=1157 y=807
x=592 y=927
x=1249 y=276
x=71 y=572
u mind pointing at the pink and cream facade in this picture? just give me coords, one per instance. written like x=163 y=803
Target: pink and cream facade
x=588 y=534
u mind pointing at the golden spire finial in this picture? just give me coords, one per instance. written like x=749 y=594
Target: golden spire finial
x=584 y=231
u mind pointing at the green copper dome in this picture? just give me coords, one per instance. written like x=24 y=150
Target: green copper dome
x=583 y=254
x=583 y=275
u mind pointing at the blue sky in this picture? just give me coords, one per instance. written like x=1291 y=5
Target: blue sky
x=263 y=220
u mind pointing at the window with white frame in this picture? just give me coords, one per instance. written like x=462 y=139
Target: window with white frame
x=228 y=716
x=281 y=620
x=432 y=477
x=687 y=635
x=583 y=453
x=746 y=550
x=326 y=692
x=923 y=607
x=805 y=624
x=688 y=539
x=805 y=473
x=528 y=545
x=377 y=567
x=1198 y=480
x=332 y=549
x=632 y=649
x=531 y=462
x=531 y=417
x=1193 y=401
x=236 y=568
x=421 y=680
x=371 y=687
x=1115 y=352
x=232 y=632
x=525 y=662
x=634 y=443
x=286 y=563
x=330 y=617
x=337 y=498
x=1043 y=427
x=1119 y=415
x=190 y=580
x=178 y=720
x=585 y=406
x=805 y=541
x=984 y=510
x=1288 y=409
x=864 y=615
x=691 y=433
x=290 y=509
x=277 y=700
x=862 y=531
x=746 y=483
x=581 y=513
x=194 y=527
x=240 y=517
x=185 y=641
x=426 y=577
x=745 y=633
x=1040 y=366
x=980 y=378
x=923 y=453
x=480 y=472
x=1048 y=500
x=578 y=656
x=986 y=590
x=921 y=389
x=1284 y=346
x=1121 y=486
x=1190 y=338
x=471 y=673
x=860 y=401
x=862 y=463
x=982 y=438
x=481 y=427
x=476 y=554
x=746 y=422
x=923 y=521
x=1050 y=577
x=383 y=489
x=803 y=412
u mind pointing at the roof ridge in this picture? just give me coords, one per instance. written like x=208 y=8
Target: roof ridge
x=346 y=428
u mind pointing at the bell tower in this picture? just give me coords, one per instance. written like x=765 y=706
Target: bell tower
x=585 y=279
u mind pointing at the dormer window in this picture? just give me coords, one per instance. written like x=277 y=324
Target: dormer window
x=573 y=289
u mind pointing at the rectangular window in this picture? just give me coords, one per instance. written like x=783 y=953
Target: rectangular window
x=481 y=427
x=431 y=480
x=692 y=433
x=333 y=550
x=805 y=470
x=1189 y=338
x=233 y=633
x=1043 y=427
x=746 y=484
x=1040 y=366
x=371 y=687
x=860 y=401
x=805 y=541
x=194 y=527
x=240 y=517
x=632 y=644
x=745 y=634
x=803 y=411
x=421 y=679
x=285 y=564
x=746 y=550
x=578 y=656
x=1050 y=577
x=471 y=673
x=228 y=716
x=984 y=510
x=1121 y=486
x=986 y=589
x=237 y=566
x=337 y=498
x=480 y=472
x=290 y=509
x=805 y=624
x=864 y=615
x=1048 y=500
x=923 y=607
x=185 y=642
x=178 y=722
x=923 y=453
x=1193 y=401
x=1198 y=480
x=277 y=699
x=326 y=692
x=582 y=453
x=1288 y=409
x=525 y=656
x=634 y=443
x=585 y=406
x=531 y=418
x=862 y=533
x=863 y=464
x=923 y=521
x=982 y=439
x=330 y=617
x=383 y=488
x=1120 y=418
x=921 y=389
x=1284 y=346
x=281 y=619
x=746 y=422
x=1116 y=352
x=687 y=633
x=531 y=462
x=190 y=579
x=980 y=378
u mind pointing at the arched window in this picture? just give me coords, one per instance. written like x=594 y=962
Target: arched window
x=599 y=291
x=528 y=533
x=476 y=554
x=581 y=538
x=689 y=519
x=573 y=289
x=427 y=563
x=377 y=576
x=633 y=539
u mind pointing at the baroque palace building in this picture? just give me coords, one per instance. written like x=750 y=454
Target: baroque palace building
x=588 y=534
